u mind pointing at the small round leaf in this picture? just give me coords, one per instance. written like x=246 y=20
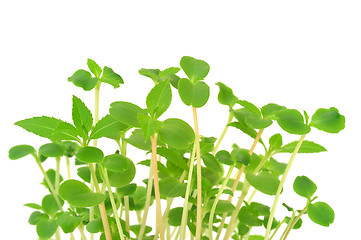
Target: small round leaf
x=116 y=163
x=304 y=187
x=292 y=122
x=195 y=69
x=176 y=133
x=328 y=120
x=90 y=155
x=264 y=182
x=20 y=151
x=321 y=213
x=52 y=150
x=46 y=228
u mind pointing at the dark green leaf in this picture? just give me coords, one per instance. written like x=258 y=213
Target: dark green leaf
x=116 y=163
x=83 y=79
x=304 y=187
x=264 y=182
x=172 y=156
x=20 y=151
x=292 y=122
x=225 y=95
x=52 y=150
x=90 y=155
x=70 y=148
x=41 y=126
x=126 y=113
x=46 y=228
x=110 y=77
x=195 y=69
x=171 y=187
x=270 y=110
x=240 y=155
x=94 y=68
x=159 y=99
x=306 y=147
x=106 y=127
x=95 y=225
x=50 y=205
x=249 y=217
x=176 y=133
x=290 y=209
x=321 y=213
x=78 y=194
x=175 y=216
x=260 y=209
x=211 y=162
x=82 y=117
x=151 y=73
x=67 y=221
x=127 y=190
x=84 y=173
x=328 y=120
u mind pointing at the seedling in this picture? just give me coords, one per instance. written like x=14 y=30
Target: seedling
x=184 y=163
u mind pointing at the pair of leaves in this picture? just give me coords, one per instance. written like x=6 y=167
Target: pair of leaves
x=84 y=79
x=225 y=95
x=264 y=182
x=158 y=76
x=195 y=94
x=249 y=214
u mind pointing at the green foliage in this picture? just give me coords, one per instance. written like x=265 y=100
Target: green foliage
x=52 y=150
x=67 y=221
x=83 y=79
x=195 y=69
x=82 y=117
x=321 y=213
x=78 y=194
x=121 y=179
x=176 y=133
x=264 y=182
x=175 y=216
x=225 y=95
x=159 y=99
x=292 y=122
x=46 y=228
x=110 y=77
x=106 y=127
x=171 y=187
x=306 y=147
x=90 y=155
x=304 y=187
x=49 y=205
x=126 y=113
x=195 y=94
x=328 y=120
x=116 y=163
x=20 y=151
x=223 y=206
x=42 y=126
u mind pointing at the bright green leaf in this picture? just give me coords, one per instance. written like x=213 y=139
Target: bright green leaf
x=90 y=155
x=171 y=187
x=137 y=140
x=95 y=225
x=136 y=229
x=116 y=163
x=175 y=216
x=176 y=133
x=83 y=79
x=36 y=216
x=223 y=206
x=148 y=125
x=78 y=194
x=151 y=73
x=292 y=122
x=110 y=77
x=172 y=156
x=225 y=95
x=195 y=69
x=67 y=221
x=275 y=142
x=250 y=107
x=52 y=150
x=270 y=110
x=321 y=213
x=126 y=113
x=33 y=206
x=46 y=228
x=41 y=126
x=82 y=117
x=275 y=167
x=159 y=99
x=200 y=94
x=328 y=120
x=240 y=155
x=224 y=157
x=106 y=127
x=20 y=151
x=121 y=179
x=304 y=187
x=127 y=190
x=185 y=90
x=65 y=131
x=94 y=68
x=49 y=204
x=51 y=173
x=211 y=162
x=264 y=182
x=306 y=147
x=84 y=173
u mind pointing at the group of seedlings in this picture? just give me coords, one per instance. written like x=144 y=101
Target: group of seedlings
x=183 y=163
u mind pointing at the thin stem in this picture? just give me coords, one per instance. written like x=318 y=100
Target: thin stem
x=230 y=117
x=72 y=236
x=68 y=167
x=126 y=211
x=276 y=230
x=57 y=234
x=288 y=225
x=213 y=209
x=274 y=206
x=115 y=210
x=57 y=175
x=81 y=231
x=296 y=220
x=156 y=186
x=199 y=176
x=147 y=202
x=182 y=228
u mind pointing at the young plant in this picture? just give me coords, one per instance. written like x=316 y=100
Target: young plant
x=103 y=199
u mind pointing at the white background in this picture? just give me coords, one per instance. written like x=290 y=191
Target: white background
x=301 y=54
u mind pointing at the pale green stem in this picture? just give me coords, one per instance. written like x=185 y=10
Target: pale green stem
x=279 y=190
x=293 y=223
x=115 y=211
x=147 y=202
x=199 y=176
x=182 y=228
x=230 y=117
x=276 y=230
x=139 y=216
x=57 y=175
x=57 y=234
x=252 y=195
x=68 y=167
x=288 y=224
x=72 y=236
x=81 y=231
x=213 y=209
x=126 y=210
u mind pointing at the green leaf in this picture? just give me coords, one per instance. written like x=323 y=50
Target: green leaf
x=292 y=122
x=70 y=148
x=106 y=127
x=264 y=182
x=65 y=131
x=255 y=237
x=195 y=94
x=172 y=156
x=41 y=126
x=297 y=225
x=223 y=206
x=250 y=107
x=67 y=221
x=36 y=216
x=171 y=187
x=126 y=113
x=46 y=228
x=112 y=78
x=306 y=147
x=149 y=125
x=275 y=142
x=240 y=115
x=159 y=99
x=176 y=133
x=328 y=120
x=33 y=206
x=249 y=217
x=52 y=150
x=138 y=198
x=127 y=190
x=78 y=194
x=136 y=229
x=82 y=117
x=224 y=157
x=304 y=187
x=121 y=179
x=256 y=122
x=94 y=68
x=51 y=173
x=321 y=213
x=151 y=73
x=84 y=173
x=207 y=144
x=275 y=167
x=270 y=110
x=240 y=155
x=225 y=95
x=90 y=155
x=231 y=182
x=195 y=69
x=211 y=162
x=20 y=151
x=137 y=140
x=49 y=204
x=175 y=216
x=83 y=79
x=116 y=163
x=185 y=90
x=95 y=225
